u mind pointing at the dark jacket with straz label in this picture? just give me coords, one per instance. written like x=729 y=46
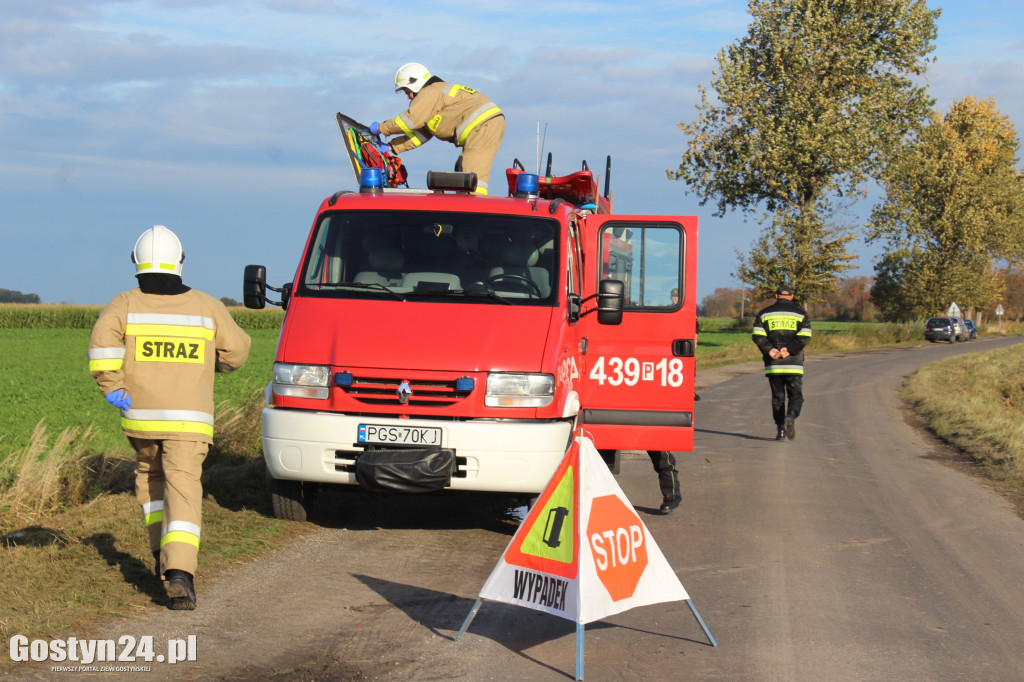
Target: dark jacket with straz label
x=783 y=324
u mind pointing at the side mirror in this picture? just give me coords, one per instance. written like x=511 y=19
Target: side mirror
x=254 y=287
x=610 y=301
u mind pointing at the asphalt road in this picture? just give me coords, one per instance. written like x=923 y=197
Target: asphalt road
x=851 y=553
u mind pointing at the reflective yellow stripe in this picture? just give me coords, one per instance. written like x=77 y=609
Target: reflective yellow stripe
x=489 y=113
x=168 y=330
x=166 y=426
x=105 y=365
x=179 y=536
x=784 y=370
x=406 y=126
x=154 y=518
x=150 y=266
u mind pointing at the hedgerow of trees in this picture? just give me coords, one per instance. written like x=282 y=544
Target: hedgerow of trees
x=850 y=301
x=11 y=296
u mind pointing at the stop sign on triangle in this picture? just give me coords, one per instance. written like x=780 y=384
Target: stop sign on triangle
x=583 y=553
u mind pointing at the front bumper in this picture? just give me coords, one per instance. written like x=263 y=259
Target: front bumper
x=499 y=456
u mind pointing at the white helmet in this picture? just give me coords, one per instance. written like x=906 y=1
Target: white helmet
x=158 y=251
x=411 y=76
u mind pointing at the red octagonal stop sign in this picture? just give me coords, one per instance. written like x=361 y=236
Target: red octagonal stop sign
x=617 y=541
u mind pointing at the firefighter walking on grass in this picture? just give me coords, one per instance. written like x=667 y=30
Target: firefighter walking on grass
x=454 y=113
x=153 y=351
x=781 y=331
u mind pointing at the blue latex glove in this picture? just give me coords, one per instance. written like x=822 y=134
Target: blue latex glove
x=119 y=399
x=382 y=147
x=375 y=128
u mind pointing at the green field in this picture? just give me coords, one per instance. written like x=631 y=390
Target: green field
x=44 y=376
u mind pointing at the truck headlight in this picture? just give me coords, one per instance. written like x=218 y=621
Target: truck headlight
x=301 y=381
x=519 y=390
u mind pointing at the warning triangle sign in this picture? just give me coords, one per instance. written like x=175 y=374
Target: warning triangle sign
x=548 y=540
x=583 y=553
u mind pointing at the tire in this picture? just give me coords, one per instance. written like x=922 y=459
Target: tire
x=289 y=499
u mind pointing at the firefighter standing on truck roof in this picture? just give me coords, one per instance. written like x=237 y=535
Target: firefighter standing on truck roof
x=454 y=113
x=153 y=351
x=781 y=331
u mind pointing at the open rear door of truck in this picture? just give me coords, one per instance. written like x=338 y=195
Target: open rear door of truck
x=637 y=388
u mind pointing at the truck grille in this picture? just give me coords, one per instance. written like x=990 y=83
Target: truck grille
x=384 y=391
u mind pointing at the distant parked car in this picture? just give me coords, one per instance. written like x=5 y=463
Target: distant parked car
x=945 y=329
x=972 y=329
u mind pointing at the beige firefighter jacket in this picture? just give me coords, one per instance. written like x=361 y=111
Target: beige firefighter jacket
x=443 y=110
x=164 y=351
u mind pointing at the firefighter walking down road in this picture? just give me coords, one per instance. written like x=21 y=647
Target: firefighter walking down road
x=450 y=112
x=153 y=351
x=781 y=331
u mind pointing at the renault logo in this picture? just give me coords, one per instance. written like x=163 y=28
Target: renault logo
x=404 y=392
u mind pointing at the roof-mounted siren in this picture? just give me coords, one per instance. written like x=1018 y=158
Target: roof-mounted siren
x=371 y=181
x=439 y=181
x=527 y=186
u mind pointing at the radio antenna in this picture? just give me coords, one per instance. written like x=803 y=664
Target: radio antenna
x=540 y=144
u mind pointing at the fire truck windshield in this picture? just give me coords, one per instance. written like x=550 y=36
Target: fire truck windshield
x=431 y=255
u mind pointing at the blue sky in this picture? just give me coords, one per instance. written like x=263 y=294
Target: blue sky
x=217 y=118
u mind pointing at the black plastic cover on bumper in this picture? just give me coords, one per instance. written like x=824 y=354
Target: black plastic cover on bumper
x=406 y=471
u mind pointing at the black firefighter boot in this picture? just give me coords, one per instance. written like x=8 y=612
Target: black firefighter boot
x=781 y=433
x=669 y=503
x=181 y=590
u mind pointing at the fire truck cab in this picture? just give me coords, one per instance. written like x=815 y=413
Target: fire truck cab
x=441 y=340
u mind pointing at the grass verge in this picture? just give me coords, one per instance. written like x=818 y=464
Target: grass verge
x=976 y=403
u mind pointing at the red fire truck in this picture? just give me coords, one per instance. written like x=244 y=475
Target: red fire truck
x=441 y=340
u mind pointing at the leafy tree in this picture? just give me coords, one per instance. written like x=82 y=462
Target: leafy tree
x=954 y=206
x=811 y=103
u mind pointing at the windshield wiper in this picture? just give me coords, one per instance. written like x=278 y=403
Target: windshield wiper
x=482 y=292
x=365 y=286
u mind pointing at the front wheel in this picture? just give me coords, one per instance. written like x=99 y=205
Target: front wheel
x=290 y=499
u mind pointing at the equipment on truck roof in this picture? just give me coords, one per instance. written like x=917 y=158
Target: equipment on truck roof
x=363 y=153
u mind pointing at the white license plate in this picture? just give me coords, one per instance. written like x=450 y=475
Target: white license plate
x=401 y=435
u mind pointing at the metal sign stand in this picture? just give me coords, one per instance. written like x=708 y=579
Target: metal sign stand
x=580 y=630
